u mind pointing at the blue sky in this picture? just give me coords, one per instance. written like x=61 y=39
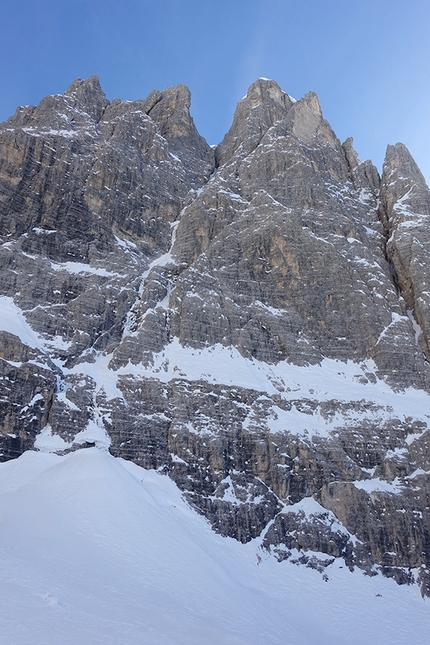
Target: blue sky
x=368 y=60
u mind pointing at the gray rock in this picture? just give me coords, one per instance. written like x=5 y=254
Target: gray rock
x=247 y=320
x=405 y=199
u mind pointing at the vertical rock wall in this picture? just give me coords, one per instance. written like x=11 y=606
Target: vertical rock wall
x=251 y=320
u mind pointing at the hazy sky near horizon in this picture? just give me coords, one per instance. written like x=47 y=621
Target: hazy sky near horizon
x=368 y=60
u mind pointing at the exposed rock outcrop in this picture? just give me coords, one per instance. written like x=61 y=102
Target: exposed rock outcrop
x=253 y=320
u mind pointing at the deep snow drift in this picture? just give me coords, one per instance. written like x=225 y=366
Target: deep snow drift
x=96 y=550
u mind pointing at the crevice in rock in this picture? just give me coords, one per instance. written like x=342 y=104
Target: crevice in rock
x=404 y=291
x=383 y=217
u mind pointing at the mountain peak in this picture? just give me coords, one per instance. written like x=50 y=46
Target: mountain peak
x=264 y=104
x=170 y=109
x=90 y=84
x=89 y=94
x=264 y=90
x=398 y=158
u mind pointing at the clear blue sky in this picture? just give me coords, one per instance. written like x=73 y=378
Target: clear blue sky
x=368 y=60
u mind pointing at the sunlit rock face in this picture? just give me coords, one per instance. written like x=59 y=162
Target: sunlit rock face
x=252 y=320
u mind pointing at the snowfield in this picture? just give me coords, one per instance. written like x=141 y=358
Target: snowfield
x=96 y=550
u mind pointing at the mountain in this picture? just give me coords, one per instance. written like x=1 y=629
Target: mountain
x=251 y=320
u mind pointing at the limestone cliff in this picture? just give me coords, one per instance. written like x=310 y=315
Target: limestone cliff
x=253 y=320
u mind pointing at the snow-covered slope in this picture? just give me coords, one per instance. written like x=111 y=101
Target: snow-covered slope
x=96 y=550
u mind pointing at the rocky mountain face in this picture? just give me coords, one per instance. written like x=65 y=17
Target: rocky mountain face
x=253 y=320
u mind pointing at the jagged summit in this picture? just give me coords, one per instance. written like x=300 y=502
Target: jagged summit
x=90 y=85
x=264 y=104
x=89 y=95
x=253 y=321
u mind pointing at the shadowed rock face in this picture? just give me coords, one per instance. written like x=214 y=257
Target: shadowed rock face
x=252 y=320
x=406 y=207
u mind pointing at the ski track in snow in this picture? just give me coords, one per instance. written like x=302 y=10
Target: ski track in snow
x=98 y=551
